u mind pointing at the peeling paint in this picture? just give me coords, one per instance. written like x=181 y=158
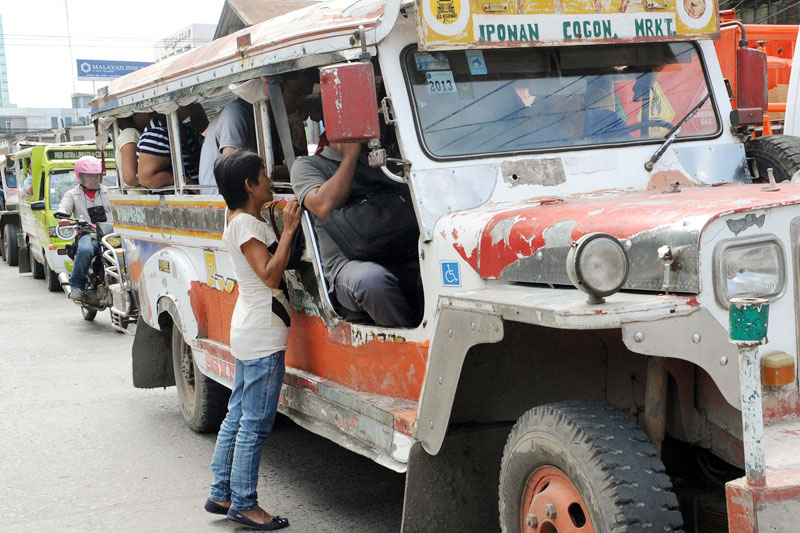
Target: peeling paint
x=738 y=225
x=547 y=172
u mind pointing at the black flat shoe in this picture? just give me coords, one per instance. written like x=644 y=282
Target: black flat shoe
x=213 y=507
x=239 y=518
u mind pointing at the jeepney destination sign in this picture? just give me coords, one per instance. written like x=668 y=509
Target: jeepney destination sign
x=467 y=23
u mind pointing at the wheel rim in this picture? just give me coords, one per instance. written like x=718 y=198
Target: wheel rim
x=187 y=374
x=552 y=504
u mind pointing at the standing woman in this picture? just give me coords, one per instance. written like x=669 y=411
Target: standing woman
x=259 y=332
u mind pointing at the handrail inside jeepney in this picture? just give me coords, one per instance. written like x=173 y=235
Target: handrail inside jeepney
x=323 y=283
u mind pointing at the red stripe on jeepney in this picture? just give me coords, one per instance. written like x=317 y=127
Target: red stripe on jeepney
x=504 y=236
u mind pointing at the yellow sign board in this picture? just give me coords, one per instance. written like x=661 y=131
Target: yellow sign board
x=444 y=24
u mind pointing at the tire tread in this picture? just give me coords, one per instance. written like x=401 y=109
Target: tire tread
x=631 y=474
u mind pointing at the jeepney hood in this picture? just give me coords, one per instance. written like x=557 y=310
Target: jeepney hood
x=528 y=241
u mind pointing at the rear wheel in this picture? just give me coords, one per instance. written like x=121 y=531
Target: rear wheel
x=88 y=314
x=781 y=153
x=203 y=400
x=37 y=269
x=10 y=247
x=583 y=467
x=51 y=278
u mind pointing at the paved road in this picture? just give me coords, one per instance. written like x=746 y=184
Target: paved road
x=82 y=450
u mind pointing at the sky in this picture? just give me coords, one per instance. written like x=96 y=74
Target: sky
x=40 y=72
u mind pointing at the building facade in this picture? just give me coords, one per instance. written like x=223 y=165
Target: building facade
x=5 y=101
x=191 y=36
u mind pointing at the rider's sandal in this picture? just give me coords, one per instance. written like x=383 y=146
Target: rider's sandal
x=277 y=521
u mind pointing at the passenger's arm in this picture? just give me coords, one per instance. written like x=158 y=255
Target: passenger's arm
x=129 y=164
x=153 y=171
x=335 y=191
x=229 y=150
x=270 y=269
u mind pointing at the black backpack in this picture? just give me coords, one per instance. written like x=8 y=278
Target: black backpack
x=377 y=223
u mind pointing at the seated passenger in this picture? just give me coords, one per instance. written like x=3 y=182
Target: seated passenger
x=233 y=129
x=155 y=162
x=323 y=183
x=130 y=131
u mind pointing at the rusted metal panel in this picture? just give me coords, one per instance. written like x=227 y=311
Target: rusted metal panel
x=775 y=506
x=528 y=241
x=751 y=65
x=349 y=102
x=472 y=24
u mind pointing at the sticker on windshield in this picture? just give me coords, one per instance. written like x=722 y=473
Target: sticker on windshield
x=431 y=61
x=440 y=82
x=477 y=66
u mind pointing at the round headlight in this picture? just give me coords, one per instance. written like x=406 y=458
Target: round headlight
x=598 y=265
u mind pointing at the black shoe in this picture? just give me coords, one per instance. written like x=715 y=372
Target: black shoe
x=77 y=295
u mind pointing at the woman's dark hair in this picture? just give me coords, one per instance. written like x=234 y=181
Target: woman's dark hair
x=231 y=171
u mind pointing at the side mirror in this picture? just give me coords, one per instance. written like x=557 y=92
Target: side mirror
x=349 y=102
x=751 y=90
x=37 y=206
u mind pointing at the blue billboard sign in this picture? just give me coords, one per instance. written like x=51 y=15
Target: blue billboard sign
x=98 y=70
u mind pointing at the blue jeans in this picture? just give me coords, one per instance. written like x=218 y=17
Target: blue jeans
x=87 y=248
x=251 y=413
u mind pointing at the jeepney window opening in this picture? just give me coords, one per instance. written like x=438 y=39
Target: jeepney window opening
x=479 y=103
x=40 y=196
x=10 y=178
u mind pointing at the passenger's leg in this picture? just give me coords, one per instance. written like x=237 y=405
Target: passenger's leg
x=226 y=441
x=83 y=256
x=262 y=379
x=370 y=287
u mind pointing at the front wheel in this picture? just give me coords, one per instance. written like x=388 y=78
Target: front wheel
x=203 y=401
x=51 y=278
x=10 y=246
x=88 y=314
x=583 y=467
x=37 y=269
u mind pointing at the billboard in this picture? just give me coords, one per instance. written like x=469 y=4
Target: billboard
x=99 y=70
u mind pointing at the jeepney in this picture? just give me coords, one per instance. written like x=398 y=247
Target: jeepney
x=587 y=213
x=45 y=172
x=9 y=211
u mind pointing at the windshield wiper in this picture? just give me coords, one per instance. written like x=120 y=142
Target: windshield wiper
x=673 y=133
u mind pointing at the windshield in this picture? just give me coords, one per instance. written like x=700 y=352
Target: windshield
x=471 y=102
x=64 y=179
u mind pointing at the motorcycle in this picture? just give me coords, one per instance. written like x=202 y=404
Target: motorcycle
x=105 y=287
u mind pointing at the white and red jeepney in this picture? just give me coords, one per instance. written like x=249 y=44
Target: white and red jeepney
x=587 y=212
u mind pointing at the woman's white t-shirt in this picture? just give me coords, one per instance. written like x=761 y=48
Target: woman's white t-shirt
x=260 y=323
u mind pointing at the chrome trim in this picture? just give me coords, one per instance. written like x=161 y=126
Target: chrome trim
x=794 y=234
x=745 y=242
x=311 y=235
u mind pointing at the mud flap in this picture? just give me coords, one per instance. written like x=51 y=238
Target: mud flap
x=456 y=490
x=152 y=357
x=24 y=263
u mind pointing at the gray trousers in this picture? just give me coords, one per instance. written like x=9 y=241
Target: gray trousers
x=372 y=288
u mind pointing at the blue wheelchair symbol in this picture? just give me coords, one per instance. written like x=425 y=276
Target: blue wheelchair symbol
x=451 y=276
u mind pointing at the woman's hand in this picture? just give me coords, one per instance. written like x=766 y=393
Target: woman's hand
x=291 y=216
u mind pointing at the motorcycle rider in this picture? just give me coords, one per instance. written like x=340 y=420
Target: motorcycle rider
x=89 y=199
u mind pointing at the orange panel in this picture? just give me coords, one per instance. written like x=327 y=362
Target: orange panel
x=390 y=368
x=213 y=310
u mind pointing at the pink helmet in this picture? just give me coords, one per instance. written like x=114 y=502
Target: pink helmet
x=89 y=171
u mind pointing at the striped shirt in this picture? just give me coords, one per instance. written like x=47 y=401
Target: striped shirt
x=155 y=141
